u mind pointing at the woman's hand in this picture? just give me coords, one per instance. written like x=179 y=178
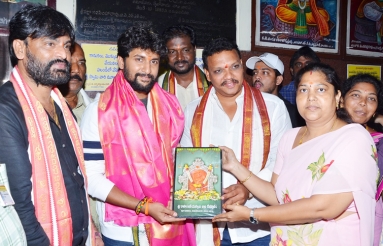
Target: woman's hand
x=162 y=214
x=234 y=213
x=229 y=161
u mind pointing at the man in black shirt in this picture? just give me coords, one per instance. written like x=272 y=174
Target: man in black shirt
x=39 y=143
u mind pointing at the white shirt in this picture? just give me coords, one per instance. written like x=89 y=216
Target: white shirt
x=184 y=95
x=98 y=185
x=219 y=130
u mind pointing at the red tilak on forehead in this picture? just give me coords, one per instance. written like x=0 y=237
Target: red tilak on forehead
x=311 y=72
x=226 y=66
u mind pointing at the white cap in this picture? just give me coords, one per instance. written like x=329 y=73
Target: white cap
x=269 y=59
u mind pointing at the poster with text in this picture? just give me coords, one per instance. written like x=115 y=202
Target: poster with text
x=295 y=23
x=364 y=28
x=353 y=69
x=101 y=65
x=197 y=182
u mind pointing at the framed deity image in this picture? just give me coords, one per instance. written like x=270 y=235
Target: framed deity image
x=197 y=186
x=294 y=23
x=364 y=28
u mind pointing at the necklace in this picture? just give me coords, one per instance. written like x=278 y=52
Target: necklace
x=304 y=134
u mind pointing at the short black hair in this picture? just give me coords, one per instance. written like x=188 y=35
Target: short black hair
x=179 y=31
x=306 y=52
x=37 y=21
x=330 y=74
x=364 y=78
x=216 y=46
x=141 y=37
x=331 y=78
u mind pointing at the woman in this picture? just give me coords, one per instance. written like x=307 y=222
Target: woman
x=332 y=202
x=361 y=99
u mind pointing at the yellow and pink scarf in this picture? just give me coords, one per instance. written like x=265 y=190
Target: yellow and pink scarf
x=49 y=193
x=139 y=155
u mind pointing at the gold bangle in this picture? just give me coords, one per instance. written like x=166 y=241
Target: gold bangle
x=243 y=181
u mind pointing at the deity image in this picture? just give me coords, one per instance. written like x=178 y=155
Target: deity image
x=305 y=19
x=197 y=182
x=368 y=21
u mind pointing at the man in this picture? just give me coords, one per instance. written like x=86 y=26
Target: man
x=185 y=79
x=73 y=91
x=40 y=143
x=129 y=135
x=267 y=76
x=240 y=117
x=301 y=58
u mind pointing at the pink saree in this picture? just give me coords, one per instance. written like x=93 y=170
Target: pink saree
x=328 y=164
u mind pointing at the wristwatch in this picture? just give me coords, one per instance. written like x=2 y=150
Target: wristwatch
x=252 y=219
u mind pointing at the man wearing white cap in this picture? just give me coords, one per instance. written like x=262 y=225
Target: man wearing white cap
x=267 y=76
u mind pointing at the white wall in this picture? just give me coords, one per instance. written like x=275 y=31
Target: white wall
x=67 y=7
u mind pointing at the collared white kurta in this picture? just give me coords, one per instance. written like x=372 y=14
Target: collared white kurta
x=217 y=129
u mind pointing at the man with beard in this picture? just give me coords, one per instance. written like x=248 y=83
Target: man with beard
x=267 y=76
x=73 y=91
x=232 y=113
x=40 y=143
x=185 y=79
x=129 y=135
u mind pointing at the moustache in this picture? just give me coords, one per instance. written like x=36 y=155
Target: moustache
x=178 y=62
x=234 y=81
x=145 y=75
x=76 y=77
x=51 y=63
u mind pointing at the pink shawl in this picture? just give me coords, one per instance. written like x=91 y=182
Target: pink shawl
x=138 y=152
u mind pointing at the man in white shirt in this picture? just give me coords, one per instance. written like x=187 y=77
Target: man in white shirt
x=129 y=134
x=73 y=91
x=185 y=80
x=250 y=122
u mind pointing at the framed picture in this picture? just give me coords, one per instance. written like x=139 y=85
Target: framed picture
x=365 y=28
x=294 y=23
x=9 y=7
x=197 y=182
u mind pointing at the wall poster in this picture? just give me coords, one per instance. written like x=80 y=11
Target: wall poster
x=294 y=23
x=364 y=28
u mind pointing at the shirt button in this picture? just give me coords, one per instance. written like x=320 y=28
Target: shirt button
x=83 y=229
x=82 y=201
x=63 y=145
x=74 y=174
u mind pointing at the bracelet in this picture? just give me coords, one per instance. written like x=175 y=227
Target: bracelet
x=150 y=200
x=140 y=204
x=243 y=181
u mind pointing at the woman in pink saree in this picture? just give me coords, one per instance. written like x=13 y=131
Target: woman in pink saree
x=319 y=194
x=362 y=97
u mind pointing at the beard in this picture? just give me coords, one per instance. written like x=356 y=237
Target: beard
x=136 y=85
x=178 y=71
x=42 y=74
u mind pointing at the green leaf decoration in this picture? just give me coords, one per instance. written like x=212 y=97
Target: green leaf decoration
x=321 y=160
x=298 y=240
x=313 y=167
x=315 y=236
x=307 y=229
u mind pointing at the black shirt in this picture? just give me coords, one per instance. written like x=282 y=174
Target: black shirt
x=14 y=153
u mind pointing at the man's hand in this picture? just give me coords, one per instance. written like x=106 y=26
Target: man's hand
x=235 y=194
x=162 y=214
